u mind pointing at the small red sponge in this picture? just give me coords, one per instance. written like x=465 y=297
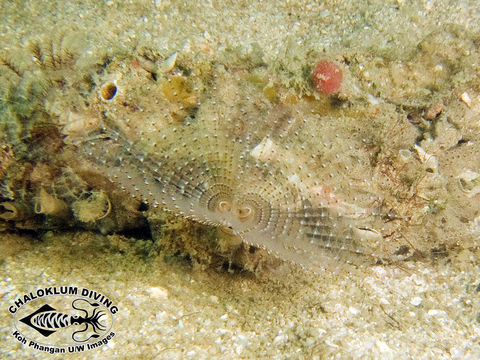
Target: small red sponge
x=327 y=77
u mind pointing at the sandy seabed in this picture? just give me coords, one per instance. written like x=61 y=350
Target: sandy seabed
x=428 y=309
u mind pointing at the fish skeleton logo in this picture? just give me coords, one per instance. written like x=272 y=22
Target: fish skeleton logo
x=47 y=321
x=73 y=319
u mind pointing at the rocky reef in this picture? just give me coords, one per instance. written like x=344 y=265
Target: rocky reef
x=294 y=179
x=107 y=139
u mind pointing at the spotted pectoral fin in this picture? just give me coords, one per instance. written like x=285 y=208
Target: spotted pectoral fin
x=28 y=320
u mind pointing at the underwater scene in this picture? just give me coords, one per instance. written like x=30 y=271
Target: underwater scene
x=240 y=179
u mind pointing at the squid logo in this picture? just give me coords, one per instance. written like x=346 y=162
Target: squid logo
x=46 y=320
x=64 y=319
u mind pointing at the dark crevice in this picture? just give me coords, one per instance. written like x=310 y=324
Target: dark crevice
x=139 y=233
